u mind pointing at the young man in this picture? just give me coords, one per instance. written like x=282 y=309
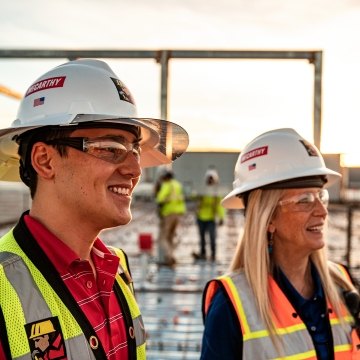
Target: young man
x=79 y=147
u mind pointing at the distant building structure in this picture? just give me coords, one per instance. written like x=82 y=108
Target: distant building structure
x=351 y=180
x=191 y=167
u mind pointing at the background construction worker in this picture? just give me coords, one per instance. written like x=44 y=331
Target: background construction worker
x=282 y=298
x=209 y=213
x=171 y=202
x=79 y=146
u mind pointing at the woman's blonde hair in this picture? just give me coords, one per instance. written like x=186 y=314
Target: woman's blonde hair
x=252 y=256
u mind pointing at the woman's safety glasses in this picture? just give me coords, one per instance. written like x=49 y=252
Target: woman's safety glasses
x=306 y=201
x=113 y=149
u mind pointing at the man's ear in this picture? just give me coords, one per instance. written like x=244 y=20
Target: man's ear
x=41 y=160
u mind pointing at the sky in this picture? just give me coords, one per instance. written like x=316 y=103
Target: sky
x=222 y=104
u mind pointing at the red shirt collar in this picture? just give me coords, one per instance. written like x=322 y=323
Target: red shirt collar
x=56 y=250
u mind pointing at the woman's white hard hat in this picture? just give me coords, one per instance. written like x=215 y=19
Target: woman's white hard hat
x=273 y=157
x=87 y=91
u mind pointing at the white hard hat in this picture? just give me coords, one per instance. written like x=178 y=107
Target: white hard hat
x=212 y=173
x=274 y=157
x=83 y=91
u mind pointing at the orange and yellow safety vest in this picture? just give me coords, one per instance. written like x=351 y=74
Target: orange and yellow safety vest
x=295 y=338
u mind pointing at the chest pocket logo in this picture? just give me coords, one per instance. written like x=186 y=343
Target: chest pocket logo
x=46 y=340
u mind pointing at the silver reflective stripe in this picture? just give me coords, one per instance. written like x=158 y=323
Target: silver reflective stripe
x=139 y=329
x=32 y=302
x=247 y=299
x=261 y=346
x=340 y=336
x=35 y=307
x=296 y=340
x=77 y=348
x=295 y=343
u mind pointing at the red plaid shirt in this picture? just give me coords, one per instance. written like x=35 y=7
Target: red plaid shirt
x=94 y=295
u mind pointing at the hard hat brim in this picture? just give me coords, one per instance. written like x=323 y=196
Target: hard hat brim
x=162 y=141
x=233 y=200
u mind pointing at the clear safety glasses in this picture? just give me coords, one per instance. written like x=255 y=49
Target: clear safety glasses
x=306 y=201
x=113 y=149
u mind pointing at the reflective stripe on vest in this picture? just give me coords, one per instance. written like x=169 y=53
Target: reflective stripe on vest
x=138 y=324
x=22 y=300
x=296 y=340
x=22 y=303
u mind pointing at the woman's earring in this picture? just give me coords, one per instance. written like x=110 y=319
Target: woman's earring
x=270 y=242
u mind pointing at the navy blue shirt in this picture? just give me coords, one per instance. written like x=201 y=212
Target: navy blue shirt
x=222 y=338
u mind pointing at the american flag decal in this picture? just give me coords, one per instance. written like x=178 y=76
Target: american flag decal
x=252 y=167
x=39 y=101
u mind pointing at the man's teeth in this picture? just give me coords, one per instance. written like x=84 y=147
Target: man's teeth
x=316 y=228
x=119 y=190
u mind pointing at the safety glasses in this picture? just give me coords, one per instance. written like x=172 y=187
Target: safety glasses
x=113 y=149
x=306 y=201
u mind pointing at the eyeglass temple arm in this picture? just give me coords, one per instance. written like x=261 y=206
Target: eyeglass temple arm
x=74 y=142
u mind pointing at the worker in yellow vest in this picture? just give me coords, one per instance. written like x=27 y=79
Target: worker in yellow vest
x=79 y=146
x=172 y=206
x=209 y=214
x=282 y=298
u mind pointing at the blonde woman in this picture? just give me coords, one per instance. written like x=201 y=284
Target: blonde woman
x=282 y=298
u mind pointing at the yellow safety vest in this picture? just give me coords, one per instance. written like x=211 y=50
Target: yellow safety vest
x=209 y=208
x=34 y=301
x=171 y=198
x=295 y=337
